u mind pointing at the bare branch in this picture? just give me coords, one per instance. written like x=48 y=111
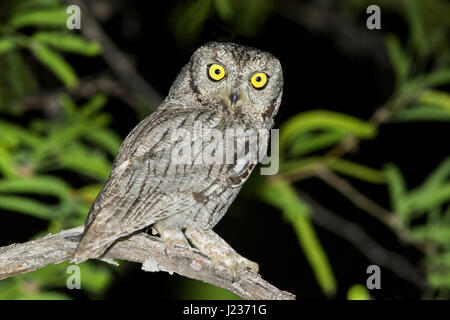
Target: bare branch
x=50 y=104
x=357 y=198
x=116 y=59
x=368 y=205
x=361 y=241
x=141 y=248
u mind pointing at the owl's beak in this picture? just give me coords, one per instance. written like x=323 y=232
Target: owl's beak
x=234 y=97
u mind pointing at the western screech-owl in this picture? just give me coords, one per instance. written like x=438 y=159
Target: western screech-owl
x=181 y=167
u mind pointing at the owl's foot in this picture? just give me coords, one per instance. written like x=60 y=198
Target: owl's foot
x=220 y=252
x=233 y=261
x=172 y=237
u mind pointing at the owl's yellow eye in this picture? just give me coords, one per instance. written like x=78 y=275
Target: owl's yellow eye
x=259 y=80
x=216 y=72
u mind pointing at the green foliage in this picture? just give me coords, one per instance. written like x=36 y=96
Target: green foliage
x=50 y=37
x=306 y=136
x=303 y=134
x=358 y=292
x=55 y=63
x=43 y=283
x=31 y=159
x=433 y=193
x=68 y=42
x=38 y=18
x=336 y=126
x=245 y=18
x=197 y=290
x=282 y=195
x=37 y=157
x=428 y=201
x=31 y=155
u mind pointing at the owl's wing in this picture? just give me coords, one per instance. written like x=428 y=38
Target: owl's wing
x=145 y=186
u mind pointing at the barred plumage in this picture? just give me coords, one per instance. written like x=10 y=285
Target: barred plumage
x=152 y=183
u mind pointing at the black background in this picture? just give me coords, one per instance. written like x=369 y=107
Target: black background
x=320 y=73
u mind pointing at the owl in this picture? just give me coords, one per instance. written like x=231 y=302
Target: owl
x=173 y=172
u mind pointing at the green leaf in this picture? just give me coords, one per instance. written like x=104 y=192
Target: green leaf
x=106 y=139
x=27 y=206
x=439 y=175
x=399 y=59
x=224 y=8
x=421 y=112
x=431 y=105
x=419 y=37
x=357 y=170
x=282 y=195
x=252 y=14
x=397 y=190
x=435 y=97
x=90 y=192
x=436 y=233
x=63 y=136
x=17 y=81
x=188 y=19
x=311 y=142
x=44 y=295
x=9 y=289
x=68 y=42
x=298 y=166
x=52 y=275
x=6 y=44
x=358 y=292
x=88 y=162
x=68 y=105
x=432 y=79
x=426 y=199
x=35 y=18
x=440 y=280
x=7 y=165
x=21 y=134
x=56 y=63
x=324 y=120
x=97 y=102
x=45 y=185
x=95 y=278
x=198 y=290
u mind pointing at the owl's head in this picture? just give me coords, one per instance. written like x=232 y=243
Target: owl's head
x=239 y=80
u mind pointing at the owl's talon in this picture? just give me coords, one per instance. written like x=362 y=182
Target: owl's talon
x=234 y=262
x=220 y=252
x=172 y=238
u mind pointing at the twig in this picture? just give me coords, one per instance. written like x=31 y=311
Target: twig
x=361 y=241
x=356 y=197
x=368 y=205
x=141 y=248
x=116 y=59
x=49 y=101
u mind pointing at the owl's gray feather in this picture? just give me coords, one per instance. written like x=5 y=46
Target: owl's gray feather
x=146 y=186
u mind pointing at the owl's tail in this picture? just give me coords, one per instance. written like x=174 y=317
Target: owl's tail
x=92 y=245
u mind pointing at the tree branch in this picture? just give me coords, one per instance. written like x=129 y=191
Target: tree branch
x=361 y=241
x=142 y=248
x=116 y=59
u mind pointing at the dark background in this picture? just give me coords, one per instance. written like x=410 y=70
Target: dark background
x=323 y=69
